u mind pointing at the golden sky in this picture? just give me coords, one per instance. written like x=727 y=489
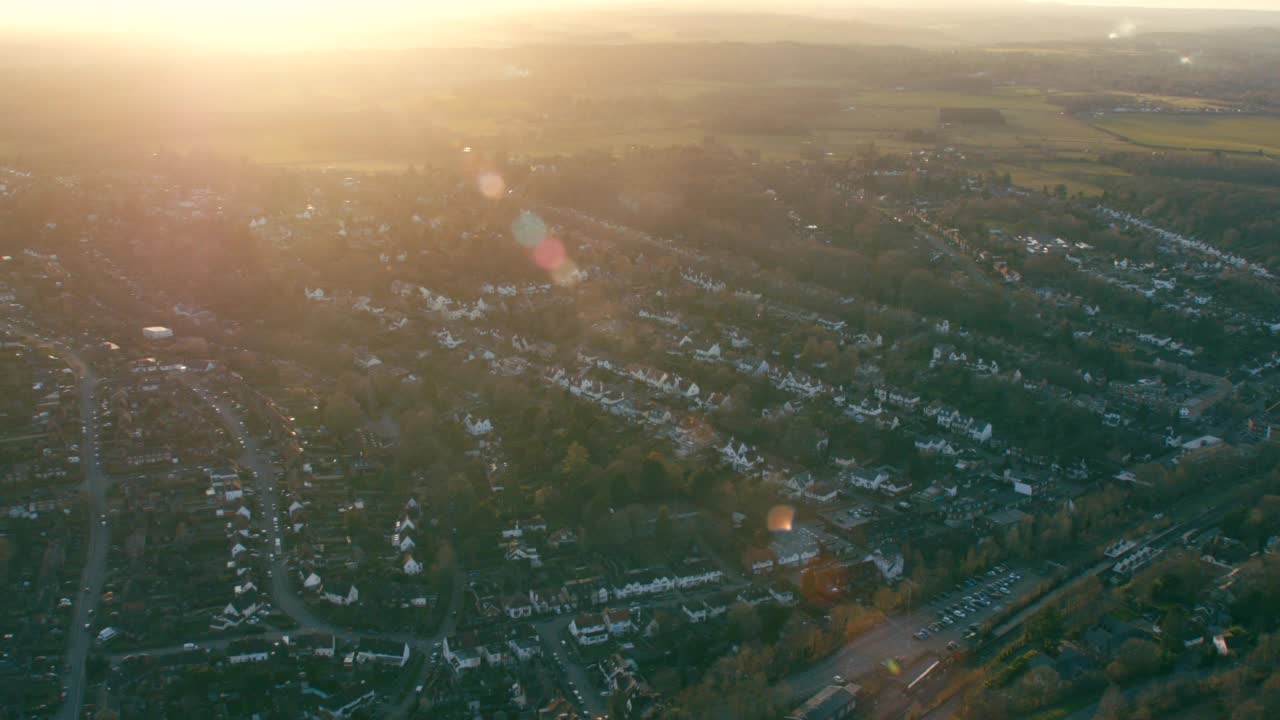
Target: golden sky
x=301 y=24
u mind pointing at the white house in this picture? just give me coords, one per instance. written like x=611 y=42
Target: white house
x=249 y=651
x=618 y=621
x=697 y=575
x=460 y=654
x=517 y=606
x=711 y=354
x=890 y=566
x=821 y=492
x=477 y=427
x=980 y=431
x=643 y=584
x=589 y=629
x=351 y=598
x=741 y=458
x=387 y=652
x=695 y=611
x=934 y=446
x=782 y=594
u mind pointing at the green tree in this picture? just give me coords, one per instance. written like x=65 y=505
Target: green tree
x=1045 y=628
x=1038 y=687
x=1113 y=705
x=1137 y=658
x=744 y=621
x=1173 y=626
x=618 y=704
x=575 y=462
x=341 y=413
x=662 y=528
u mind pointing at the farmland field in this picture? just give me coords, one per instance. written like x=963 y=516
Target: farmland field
x=1036 y=179
x=1236 y=133
x=882 y=117
x=333 y=130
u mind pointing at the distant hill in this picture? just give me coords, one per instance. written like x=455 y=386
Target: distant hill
x=835 y=24
x=650 y=26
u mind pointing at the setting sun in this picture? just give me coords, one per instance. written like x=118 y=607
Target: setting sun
x=639 y=360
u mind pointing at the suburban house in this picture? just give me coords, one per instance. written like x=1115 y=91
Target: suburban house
x=344 y=704
x=517 y=606
x=834 y=702
x=462 y=652
x=644 y=583
x=589 y=629
x=821 y=492
x=387 y=652
x=315 y=644
x=618 y=622
x=695 y=574
x=696 y=611
x=758 y=560
x=248 y=651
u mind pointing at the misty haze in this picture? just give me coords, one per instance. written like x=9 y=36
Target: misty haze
x=589 y=360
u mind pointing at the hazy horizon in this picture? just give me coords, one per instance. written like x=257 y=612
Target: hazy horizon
x=291 y=25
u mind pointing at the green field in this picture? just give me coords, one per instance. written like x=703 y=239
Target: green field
x=1038 y=178
x=882 y=117
x=1083 y=168
x=526 y=121
x=1235 y=133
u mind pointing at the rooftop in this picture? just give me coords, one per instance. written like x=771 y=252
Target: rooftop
x=833 y=701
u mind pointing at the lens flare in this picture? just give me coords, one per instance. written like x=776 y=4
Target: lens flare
x=781 y=517
x=566 y=274
x=549 y=254
x=529 y=229
x=1126 y=29
x=491 y=185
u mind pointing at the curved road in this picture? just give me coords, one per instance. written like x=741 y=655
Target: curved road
x=255 y=458
x=93 y=574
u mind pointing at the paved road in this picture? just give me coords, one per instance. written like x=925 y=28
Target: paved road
x=552 y=630
x=893 y=639
x=255 y=458
x=404 y=706
x=92 y=575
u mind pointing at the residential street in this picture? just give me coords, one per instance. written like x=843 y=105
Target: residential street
x=256 y=459
x=80 y=634
x=80 y=638
x=551 y=631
